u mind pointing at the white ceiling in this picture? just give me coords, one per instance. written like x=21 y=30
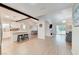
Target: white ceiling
x=49 y=11
x=59 y=17
x=39 y=9
x=11 y=15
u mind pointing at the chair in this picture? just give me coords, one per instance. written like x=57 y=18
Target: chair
x=26 y=36
x=69 y=37
x=20 y=37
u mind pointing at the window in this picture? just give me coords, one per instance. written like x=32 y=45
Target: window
x=60 y=29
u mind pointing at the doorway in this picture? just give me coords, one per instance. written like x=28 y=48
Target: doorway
x=61 y=29
x=61 y=33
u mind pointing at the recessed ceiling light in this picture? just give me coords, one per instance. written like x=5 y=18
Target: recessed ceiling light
x=64 y=21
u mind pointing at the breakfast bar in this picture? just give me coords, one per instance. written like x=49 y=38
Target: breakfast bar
x=19 y=36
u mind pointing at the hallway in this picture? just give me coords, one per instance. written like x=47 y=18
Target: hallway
x=52 y=46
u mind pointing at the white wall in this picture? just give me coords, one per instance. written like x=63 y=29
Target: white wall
x=48 y=22
x=41 y=30
x=49 y=31
x=34 y=28
x=75 y=40
x=69 y=25
x=6 y=34
x=0 y=32
x=54 y=29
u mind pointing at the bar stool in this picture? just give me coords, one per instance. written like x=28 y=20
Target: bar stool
x=20 y=37
x=26 y=36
